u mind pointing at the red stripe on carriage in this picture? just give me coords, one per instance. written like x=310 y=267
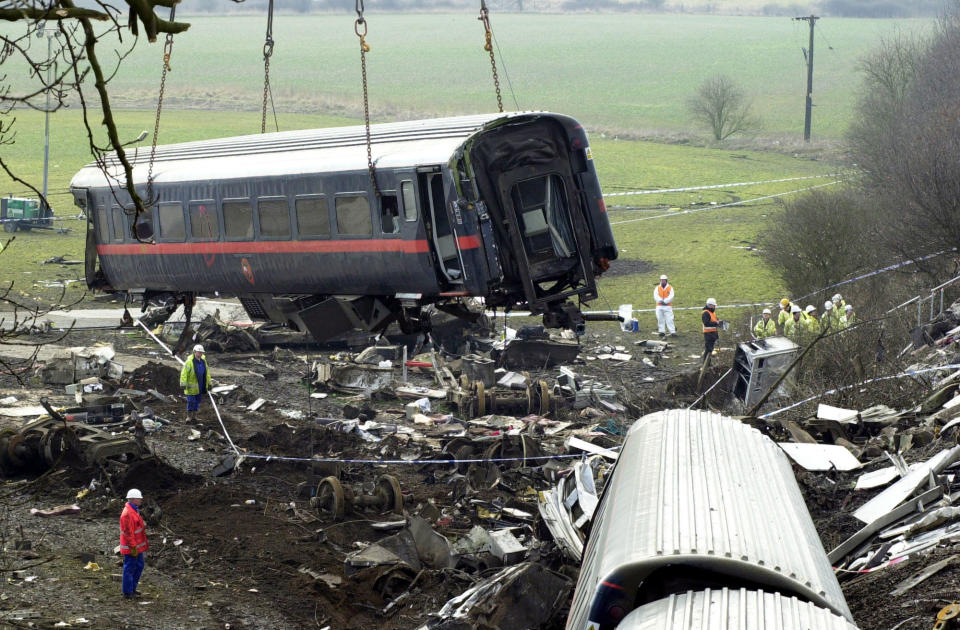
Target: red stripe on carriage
x=270 y=247
x=468 y=242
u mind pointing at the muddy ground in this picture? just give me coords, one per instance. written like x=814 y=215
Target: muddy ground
x=247 y=550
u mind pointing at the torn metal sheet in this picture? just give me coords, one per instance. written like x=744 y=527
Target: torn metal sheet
x=877 y=478
x=519 y=597
x=836 y=414
x=582 y=445
x=567 y=509
x=820 y=457
x=843 y=549
x=923 y=574
x=906 y=487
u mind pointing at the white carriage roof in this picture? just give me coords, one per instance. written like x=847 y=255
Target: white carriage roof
x=409 y=143
x=695 y=486
x=734 y=609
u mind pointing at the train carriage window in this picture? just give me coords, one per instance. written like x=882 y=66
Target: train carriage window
x=237 y=220
x=353 y=215
x=145 y=224
x=544 y=216
x=313 y=216
x=170 y=218
x=119 y=223
x=409 y=201
x=389 y=213
x=204 y=225
x=274 y=215
x=103 y=226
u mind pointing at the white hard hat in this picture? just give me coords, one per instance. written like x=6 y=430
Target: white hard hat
x=837 y=297
x=811 y=308
x=848 y=307
x=795 y=309
x=711 y=302
x=828 y=305
x=133 y=493
x=198 y=348
x=663 y=277
x=766 y=311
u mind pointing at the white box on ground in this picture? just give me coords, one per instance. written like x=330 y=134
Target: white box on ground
x=505 y=546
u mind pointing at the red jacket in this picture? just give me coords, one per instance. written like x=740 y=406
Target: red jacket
x=133 y=532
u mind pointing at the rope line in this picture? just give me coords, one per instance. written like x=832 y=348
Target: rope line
x=714 y=186
x=860 y=384
x=727 y=205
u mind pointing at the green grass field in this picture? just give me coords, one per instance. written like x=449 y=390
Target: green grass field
x=620 y=72
x=615 y=73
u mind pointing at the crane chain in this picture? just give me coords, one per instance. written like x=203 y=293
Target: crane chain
x=360 y=28
x=167 y=53
x=267 y=53
x=488 y=46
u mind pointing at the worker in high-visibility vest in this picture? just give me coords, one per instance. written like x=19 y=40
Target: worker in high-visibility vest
x=663 y=298
x=811 y=323
x=831 y=317
x=711 y=327
x=766 y=327
x=785 y=307
x=838 y=303
x=794 y=327
x=849 y=318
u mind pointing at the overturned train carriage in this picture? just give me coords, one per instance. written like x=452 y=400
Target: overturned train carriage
x=504 y=207
x=702 y=526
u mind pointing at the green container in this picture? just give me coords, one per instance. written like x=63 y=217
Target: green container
x=20 y=213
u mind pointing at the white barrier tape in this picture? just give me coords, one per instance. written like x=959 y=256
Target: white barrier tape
x=636 y=310
x=37 y=219
x=284 y=458
x=727 y=205
x=879 y=271
x=860 y=384
x=715 y=186
x=216 y=410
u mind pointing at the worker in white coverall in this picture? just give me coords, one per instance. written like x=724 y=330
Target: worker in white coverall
x=663 y=297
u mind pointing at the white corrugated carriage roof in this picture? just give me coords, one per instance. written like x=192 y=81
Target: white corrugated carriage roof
x=409 y=143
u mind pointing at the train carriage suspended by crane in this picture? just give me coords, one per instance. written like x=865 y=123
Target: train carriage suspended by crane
x=504 y=207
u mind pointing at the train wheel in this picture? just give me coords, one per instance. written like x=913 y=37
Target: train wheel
x=388 y=489
x=330 y=501
x=544 y=398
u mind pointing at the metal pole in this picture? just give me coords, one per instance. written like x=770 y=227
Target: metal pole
x=46 y=120
x=812 y=19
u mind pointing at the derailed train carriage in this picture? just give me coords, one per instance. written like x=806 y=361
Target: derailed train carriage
x=702 y=526
x=503 y=207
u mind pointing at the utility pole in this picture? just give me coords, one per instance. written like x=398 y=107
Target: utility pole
x=812 y=19
x=50 y=33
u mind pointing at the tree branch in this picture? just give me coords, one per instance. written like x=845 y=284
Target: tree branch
x=35 y=13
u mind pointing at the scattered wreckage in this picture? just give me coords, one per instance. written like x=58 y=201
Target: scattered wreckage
x=42 y=443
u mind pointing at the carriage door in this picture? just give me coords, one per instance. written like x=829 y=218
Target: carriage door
x=443 y=232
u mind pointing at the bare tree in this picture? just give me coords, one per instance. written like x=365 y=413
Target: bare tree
x=906 y=138
x=722 y=106
x=66 y=74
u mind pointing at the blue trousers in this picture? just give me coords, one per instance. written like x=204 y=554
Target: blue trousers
x=132 y=568
x=193 y=401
